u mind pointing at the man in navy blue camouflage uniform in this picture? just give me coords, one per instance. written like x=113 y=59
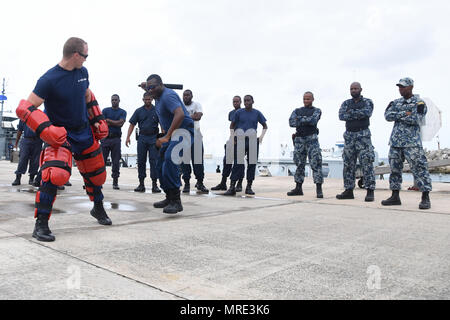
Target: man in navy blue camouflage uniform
x=115 y=118
x=227 y=167
x=306 y=144
x=408 y=113
x=358 y=145
x=30 y=149
x=146 y=118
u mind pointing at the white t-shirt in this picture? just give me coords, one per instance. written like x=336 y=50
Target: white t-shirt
x=193 y=108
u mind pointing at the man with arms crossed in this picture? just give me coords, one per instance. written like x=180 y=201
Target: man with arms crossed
x=356 y=113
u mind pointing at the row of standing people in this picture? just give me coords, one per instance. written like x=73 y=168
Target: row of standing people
x=147 y=121
x=407 y=113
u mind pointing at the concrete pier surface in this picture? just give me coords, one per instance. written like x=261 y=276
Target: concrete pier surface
x=268 y=246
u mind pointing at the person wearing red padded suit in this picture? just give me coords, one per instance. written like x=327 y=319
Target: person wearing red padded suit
x=71 y=124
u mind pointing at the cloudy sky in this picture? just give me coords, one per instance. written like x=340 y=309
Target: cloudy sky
x=273 y=50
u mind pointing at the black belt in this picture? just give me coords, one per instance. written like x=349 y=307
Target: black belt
x=148 y=133
x=357 y=129
x=114 y=135
x=33 y=138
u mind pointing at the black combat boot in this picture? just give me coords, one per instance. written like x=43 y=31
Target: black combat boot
x=319 y=191
x=68 y=184
x=248 y=189
x=222 y=185
x=163 y=203
x=37 y=182
x=239 y=185
x=394 y=200
x=187 y=186
x=155 y=188
x=41 y=230
x=201 y=187
x=99 y=213
x=31 y=180
x=425 y=203
x=140 y=187
x=232 y=190
x=174 y=205
x=347 y=194
x=116 y=183
x=17 y=181
x=370 y=196
x=297 y=191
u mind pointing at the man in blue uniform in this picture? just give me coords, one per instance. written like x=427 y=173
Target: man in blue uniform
x=306 y=144
x=196 y=113
x=172 y=115
x=115 y=118
x=227 y=167
x=147 y=120
x=407 y=113
x=356 y=113
x=243 y=129
x=72 y=124
x=30 y=149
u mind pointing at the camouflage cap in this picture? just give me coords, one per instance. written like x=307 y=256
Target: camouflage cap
x=406 y=82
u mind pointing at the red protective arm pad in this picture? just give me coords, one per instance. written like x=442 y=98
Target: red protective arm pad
x=40 y=123
x=96 y=116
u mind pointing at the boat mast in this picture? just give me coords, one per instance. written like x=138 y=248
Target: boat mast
x=2 y=133
x=2 y=101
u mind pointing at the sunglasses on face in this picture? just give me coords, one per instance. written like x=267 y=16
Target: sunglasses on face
x=83 y=55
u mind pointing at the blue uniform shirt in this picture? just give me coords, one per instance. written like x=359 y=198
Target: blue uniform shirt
x=27 y=132
x=114 y=114
x=147 y=120
x=245 y=120
x=231 y=115
x=165 y=107
x=64 y=93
